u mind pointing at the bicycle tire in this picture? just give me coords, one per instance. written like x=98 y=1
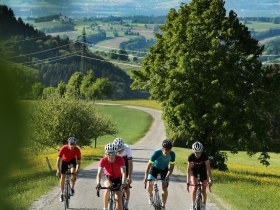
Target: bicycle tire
x=157 y=201
x=198 y=203
x=66 y=202
x=112 y=204
x=123 y=202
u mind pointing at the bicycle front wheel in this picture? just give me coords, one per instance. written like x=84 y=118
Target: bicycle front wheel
x=112 y=204
x=66 y=195
x=198 y=203
x=157 y=201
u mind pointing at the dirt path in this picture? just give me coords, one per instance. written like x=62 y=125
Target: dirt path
x=86 y=199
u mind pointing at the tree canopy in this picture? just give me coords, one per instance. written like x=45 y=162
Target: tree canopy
x=205 y=70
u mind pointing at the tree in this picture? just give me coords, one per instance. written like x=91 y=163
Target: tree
x=37 y=90
x=56 y=119
x=86 y=83
x=74 y=84
x=205 y=70
x=61 y=89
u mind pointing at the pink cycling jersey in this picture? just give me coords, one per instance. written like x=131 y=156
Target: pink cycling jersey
x=112 y=169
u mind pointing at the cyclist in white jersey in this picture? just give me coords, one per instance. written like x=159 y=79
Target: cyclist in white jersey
x=125 y=151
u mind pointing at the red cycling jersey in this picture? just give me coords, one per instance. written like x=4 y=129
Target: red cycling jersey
x=112 y=169
x=67 y=155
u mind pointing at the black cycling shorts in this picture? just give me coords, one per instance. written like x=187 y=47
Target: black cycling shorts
x=155 y=171
x=64 y=165
x=116 y=182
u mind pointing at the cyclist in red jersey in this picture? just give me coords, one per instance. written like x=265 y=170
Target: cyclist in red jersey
x=113 y=167
x=69 y=155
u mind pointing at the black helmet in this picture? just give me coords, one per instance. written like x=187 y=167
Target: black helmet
x=167 y=144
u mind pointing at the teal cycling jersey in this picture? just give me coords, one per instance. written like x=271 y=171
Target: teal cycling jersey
x=161 y=161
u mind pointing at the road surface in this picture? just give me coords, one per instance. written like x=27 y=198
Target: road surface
x=85 y=194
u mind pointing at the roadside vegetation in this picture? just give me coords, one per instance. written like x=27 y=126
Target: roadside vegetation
x=34 y=178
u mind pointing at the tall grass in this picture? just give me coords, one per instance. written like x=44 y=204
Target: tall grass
x=34 y=179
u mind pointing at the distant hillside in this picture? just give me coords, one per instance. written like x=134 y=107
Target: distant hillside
x=54 y=58
x=85 y=8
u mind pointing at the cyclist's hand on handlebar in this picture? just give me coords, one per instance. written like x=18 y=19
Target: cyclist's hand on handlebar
x=58 y=174
x=123 y=187
x=188 y=186
x=98 y=186
x=210 y=182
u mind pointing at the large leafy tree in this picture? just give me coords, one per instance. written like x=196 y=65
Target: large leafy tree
x=55 y=119
x=205 y=70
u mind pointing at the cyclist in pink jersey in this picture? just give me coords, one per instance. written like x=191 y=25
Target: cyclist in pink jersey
x=69 y=155
x=113 y=167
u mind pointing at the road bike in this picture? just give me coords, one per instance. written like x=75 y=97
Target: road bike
x=157 y=204
x=112 y=200
x=67 y=189
x=198 y=198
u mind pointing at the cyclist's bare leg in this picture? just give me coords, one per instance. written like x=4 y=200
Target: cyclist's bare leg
x=194 y=188
x=107 y=183
x=127 y=194
x=204 y=195
x=150 y=187
x=62 y=181
x=73 y=178
x=118 y=196
x=164 y=193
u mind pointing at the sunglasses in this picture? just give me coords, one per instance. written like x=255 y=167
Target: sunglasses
x=111 y=154
x=72 y=144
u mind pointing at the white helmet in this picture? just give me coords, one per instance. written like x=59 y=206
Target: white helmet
x=119 y=142
x=197 y=147
x=110 y=148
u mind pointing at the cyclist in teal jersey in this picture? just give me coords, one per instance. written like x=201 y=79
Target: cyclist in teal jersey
x=161 y=162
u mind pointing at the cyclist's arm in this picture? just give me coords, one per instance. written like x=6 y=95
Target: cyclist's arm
x=78 y=165
x=188 y=172
x=123 y=171
x=209 y=174
x=99 y=175
x=170 y=170
x=58 y=162
x=130 y=169
x=148 y=168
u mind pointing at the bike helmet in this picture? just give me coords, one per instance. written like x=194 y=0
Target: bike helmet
x=119 y=143
x=72 y=140
x=197 y=147
x=110 y=148
x=167 y=144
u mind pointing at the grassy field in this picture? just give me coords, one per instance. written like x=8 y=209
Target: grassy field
x=33 y=179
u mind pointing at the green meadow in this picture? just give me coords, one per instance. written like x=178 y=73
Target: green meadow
x=247 y=185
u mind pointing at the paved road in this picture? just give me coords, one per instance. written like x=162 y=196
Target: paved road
x=86 y=199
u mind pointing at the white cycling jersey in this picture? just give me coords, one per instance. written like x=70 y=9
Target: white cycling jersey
x=127 y=152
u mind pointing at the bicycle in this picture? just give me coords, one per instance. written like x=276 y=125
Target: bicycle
x=157 y=204
x=67 y=189
x=112 y=200
x=198 y=199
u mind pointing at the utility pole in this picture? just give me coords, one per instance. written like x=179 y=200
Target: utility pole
x=83 y=51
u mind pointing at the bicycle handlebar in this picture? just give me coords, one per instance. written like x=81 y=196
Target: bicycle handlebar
x=111 y=188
